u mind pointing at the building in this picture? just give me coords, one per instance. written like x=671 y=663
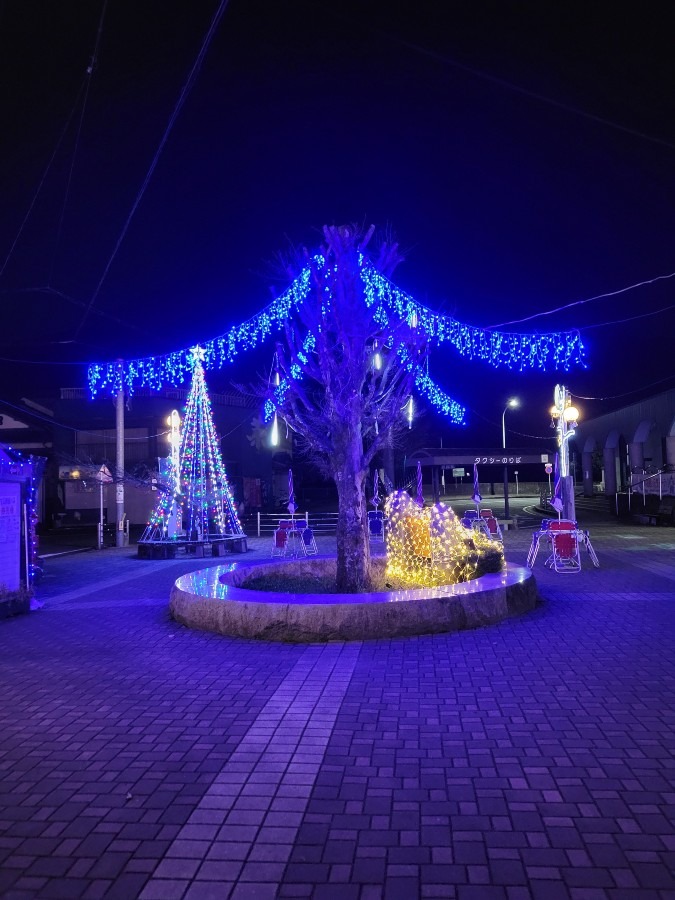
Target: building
x=632 y=448
x=78 y=437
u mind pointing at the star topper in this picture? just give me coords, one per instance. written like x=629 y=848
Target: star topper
x=198 y=353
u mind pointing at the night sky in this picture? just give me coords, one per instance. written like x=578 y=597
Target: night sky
x=522 y=153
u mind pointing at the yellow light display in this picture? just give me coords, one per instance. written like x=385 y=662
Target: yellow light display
x=429 y=546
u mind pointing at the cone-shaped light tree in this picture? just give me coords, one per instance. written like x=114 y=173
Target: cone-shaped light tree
x=199 y=493
x=209 y=505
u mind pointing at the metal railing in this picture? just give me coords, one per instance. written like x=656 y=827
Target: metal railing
x=264 y=524
x=647 y=483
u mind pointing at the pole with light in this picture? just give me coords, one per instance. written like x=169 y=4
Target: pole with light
x=274 y=435
x=174 y=441
x=513 y=403
x=564 y=419
x=175 y=521
x=103 y=476
x=99 y=476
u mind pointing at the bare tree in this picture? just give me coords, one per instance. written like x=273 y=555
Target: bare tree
x=343 y=382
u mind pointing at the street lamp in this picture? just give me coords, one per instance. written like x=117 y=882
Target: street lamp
x=564 y=419
x=103 y=476
x=513 y=403
x=174 y=440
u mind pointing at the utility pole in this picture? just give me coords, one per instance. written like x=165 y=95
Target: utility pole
x=121 y=539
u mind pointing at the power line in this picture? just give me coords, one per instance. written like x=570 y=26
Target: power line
x=39 y=362
x=174 y=115
x=542 y=98
x=46 y=289
x=627 y=393
x=90 y=70
x=536 y=437
x=97 y=433
x=550 y=312
x=42 y=180
x=655 y=312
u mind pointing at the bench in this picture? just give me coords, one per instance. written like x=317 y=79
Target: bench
x=655 y=512
x=235 y=543
x=167 y=549
x=219 y=546
x=663 y=516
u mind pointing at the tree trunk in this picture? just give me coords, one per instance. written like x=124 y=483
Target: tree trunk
x=353 y=547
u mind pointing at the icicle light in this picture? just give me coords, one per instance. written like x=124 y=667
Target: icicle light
x=389 y=307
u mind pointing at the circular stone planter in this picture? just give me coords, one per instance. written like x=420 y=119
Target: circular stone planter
x=214 y=600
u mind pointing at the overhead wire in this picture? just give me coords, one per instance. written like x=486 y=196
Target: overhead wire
x=40 y=362
x=550 y=312
x=38 y=190
x=50 y=421
x=46 y=289
x=187 y=87
x=90 y=71
x=526 y=92
x=646 y=315
x=626 y=393
x=172 y=120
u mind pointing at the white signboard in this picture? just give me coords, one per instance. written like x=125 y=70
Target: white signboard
x=10 y=535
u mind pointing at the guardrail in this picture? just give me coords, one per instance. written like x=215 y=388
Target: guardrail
x=263 y=524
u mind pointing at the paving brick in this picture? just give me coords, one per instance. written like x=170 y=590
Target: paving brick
x=526 y=761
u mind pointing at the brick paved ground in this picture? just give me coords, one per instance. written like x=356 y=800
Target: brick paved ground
x=534 y=759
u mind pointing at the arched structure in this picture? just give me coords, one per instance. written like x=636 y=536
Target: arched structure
x=637 y=444
x=615 y=463
x=646 y=450
x=588 y=452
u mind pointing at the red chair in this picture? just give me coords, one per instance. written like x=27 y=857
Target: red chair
x=564 y=540
x=493 y=529
x=280 y=542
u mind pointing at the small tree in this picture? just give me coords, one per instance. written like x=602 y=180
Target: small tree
x=342 y=383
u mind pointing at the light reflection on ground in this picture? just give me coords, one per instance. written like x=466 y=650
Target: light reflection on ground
x=213 y=583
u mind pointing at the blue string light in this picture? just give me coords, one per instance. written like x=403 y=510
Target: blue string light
x=429 y=389
x=496 y=348
x=390 y=307
x=175 y=368
x=28 y=469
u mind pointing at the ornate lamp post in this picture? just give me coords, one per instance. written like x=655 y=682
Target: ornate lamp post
x=564 y=419
x=174 y=440
x=513 y=403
